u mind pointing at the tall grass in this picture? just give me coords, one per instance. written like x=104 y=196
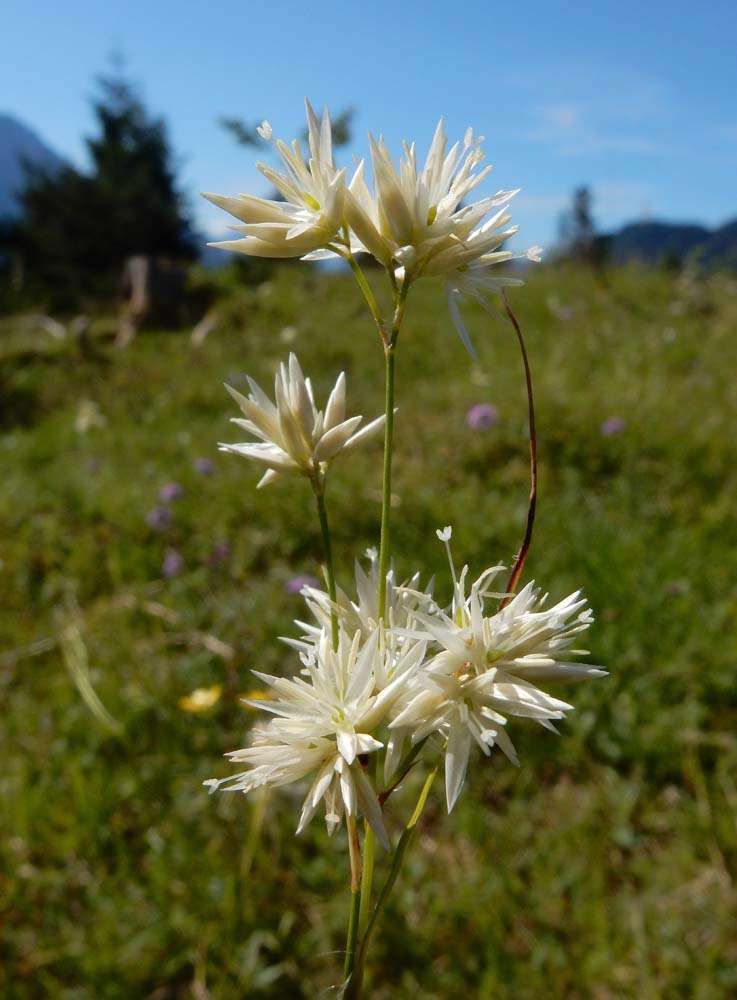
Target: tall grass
x=603 y=868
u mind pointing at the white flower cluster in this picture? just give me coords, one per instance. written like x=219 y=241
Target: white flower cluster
x=414 y=221
x=295 y=437
x=454 y=675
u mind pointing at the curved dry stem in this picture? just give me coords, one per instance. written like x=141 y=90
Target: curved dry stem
x=521 y=556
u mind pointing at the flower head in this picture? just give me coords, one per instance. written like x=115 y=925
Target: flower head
x=362 y=613
x=402 y=651
x=487 y=668
x=612 y=426
x=201 y=699
x=296 y=584
x=415 y=221
x=220 y=553
x=173 y=563
x=205 y=466
x=159 y=518
x=311 y=214
x=170 y=492
x=482 y=416
x=323 y=723
x=296 y=437
x=416 y=217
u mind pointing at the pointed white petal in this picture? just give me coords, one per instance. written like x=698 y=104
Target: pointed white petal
x=335 y=439
x=335 y=409
x=456 y=761
x=371 y=809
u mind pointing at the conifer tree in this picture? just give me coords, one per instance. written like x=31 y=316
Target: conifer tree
x=78 y=228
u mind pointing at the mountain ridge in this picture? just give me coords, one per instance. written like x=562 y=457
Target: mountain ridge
x=657 y=241
x=649 y=241
x=20 y=144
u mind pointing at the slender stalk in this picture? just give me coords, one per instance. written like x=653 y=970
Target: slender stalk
x=369 y=842
x=354 y=849
x=386 y=492
x=318 y=486
x=519 y=561
x=399 y=853
x=368 y=295
x=352 y=935
x=405 y=766
x=361 y=897
x=369 y=856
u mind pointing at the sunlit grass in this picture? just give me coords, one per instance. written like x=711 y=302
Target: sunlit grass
x=603 y=868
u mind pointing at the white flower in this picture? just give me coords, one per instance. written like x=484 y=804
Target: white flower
x=402 y=652
x=296 y=437
x=311 y=215
x=415 y=217
x=401 y=601
x=415 y=221
x=488 y=667
x=323 y=723
x=273 y=761
x=478 y=280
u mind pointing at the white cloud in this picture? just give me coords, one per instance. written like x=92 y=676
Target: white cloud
x=563 y=116
x=597 y=126
x=525 y=204
x=588 y=141
x=622 y=199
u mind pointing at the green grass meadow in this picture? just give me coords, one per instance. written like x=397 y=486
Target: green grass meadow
x=603 y=868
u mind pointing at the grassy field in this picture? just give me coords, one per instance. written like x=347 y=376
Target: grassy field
x=603 y=868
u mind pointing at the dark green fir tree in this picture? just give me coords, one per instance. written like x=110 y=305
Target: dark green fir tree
x=77 y=229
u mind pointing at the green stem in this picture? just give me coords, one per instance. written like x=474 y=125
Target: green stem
x=369 y=842
x=350 y=945
x=405 y=766
x=354 y=992
x=386 y=493
x=386 y=496
x=369 y=855
x=353 y=921
x=369 y=296
x=318 y=486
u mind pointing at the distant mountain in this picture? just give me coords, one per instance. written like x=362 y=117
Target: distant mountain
x=18 y=143
x=721 y=247
x=654 y=242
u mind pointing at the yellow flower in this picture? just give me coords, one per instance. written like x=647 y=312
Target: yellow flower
x=201 y=699
x=249 y=696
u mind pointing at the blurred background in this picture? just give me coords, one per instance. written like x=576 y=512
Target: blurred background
x=142 y=578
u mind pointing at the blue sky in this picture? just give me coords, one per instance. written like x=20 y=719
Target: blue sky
x=636 y=99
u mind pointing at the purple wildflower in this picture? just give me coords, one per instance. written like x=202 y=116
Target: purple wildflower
x=482 y=416
x=173 y=563
x=612 y=426
x=158 y=518
x=205 y=466
x=295 y=584
x=170 y=492
x=220 y=553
